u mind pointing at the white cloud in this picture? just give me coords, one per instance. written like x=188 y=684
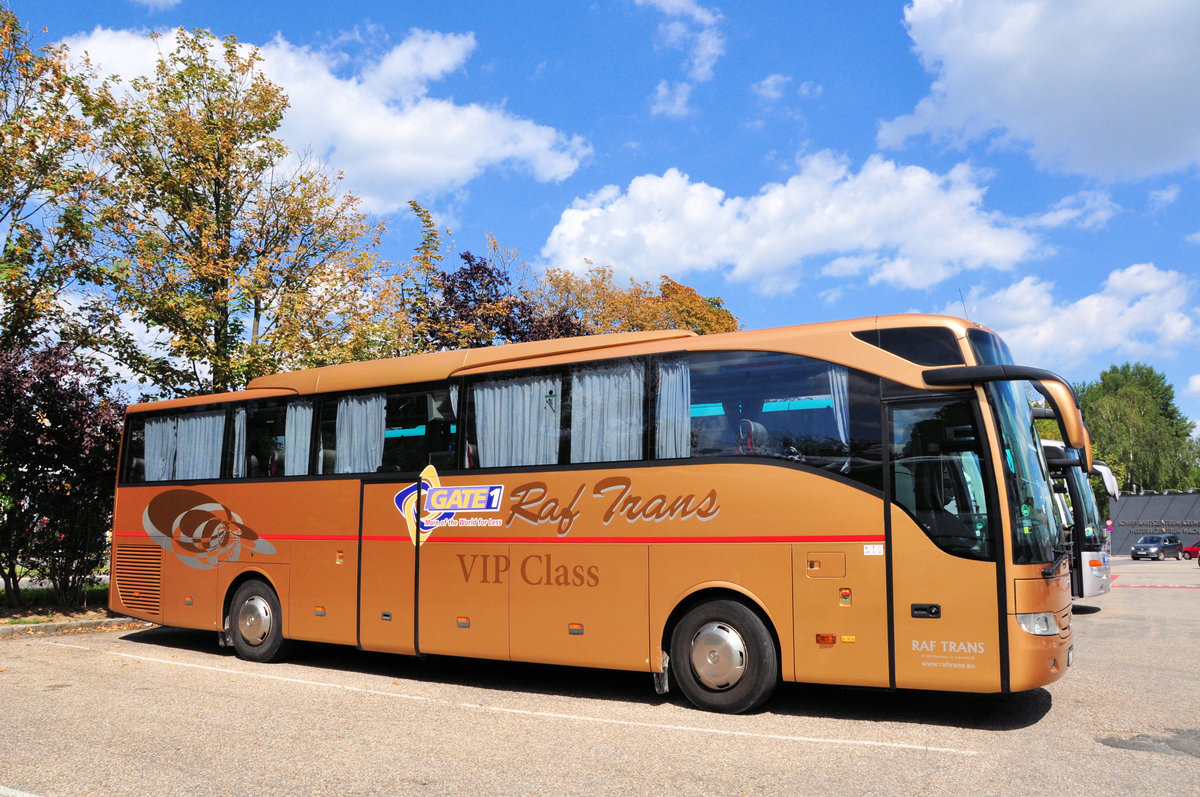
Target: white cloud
x=901 y=225
x=1193 y=385
x=1166 y=196
x=1101 y=89
x=809 y=89
x=771 y=87
x=378 y=125
x=693 y=29
x=671 y=100
x=158 y=5
x=1140 y=312
x=1087 y=209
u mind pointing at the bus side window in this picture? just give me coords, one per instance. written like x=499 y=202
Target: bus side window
x=183 y=446
x=515 y=421
x=265 y=441
x=135 y=448
x=606 y=411
x=418 y=430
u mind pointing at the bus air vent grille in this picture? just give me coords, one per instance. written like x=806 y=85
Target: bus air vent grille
x=138 y=575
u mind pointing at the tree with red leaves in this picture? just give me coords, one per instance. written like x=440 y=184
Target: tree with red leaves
x=59 y=435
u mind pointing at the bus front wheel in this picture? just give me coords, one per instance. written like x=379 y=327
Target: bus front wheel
x=723 y=657
x=255 y=622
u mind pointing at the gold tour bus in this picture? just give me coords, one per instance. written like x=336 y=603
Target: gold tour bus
x=860 y=502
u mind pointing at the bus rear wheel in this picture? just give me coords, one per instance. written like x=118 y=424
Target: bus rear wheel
x=723 y=657
x=255 y=622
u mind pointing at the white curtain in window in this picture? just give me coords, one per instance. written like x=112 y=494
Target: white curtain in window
x=839 y=389
x=672 y=413
x=517 y=421
x=198 y=453
x=606 y=413
x=160 y=449
x=297 y=438
x=239 y=443
x=360 y=427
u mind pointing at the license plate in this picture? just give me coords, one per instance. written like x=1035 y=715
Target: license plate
x=1071 y=656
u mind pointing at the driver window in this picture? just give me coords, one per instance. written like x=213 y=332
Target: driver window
x=937 y=475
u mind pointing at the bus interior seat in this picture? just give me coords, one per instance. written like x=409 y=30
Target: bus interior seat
x=753 y=437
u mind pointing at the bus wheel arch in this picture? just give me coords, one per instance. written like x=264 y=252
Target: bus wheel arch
x=724 y=651
x=254 y=619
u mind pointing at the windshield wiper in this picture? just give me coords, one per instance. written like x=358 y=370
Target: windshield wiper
x=1063 y=556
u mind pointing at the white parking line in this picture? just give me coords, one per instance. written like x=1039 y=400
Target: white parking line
x=7 y=792
x=541 y=714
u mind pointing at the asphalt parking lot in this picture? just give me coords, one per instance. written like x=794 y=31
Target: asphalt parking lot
x=165 y=711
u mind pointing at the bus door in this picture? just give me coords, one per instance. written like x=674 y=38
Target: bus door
x=463 y=568
x=441 y=587
x=943 y=549
x=387 y=578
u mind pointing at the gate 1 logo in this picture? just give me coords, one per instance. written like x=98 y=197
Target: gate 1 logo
x=442 y=503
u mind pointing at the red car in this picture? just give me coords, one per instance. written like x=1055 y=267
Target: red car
x=1192 y=551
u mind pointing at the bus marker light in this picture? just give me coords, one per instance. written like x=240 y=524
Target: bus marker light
x=849 y=638
x=187 y=601
x=844 y=592
x=575 y=629
x=826 y=639
x=1095 y=563
x=320 y=611
x=385 y=616
x=463 y=622
x=341 y=557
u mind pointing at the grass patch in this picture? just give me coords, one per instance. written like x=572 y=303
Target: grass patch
x=39 y=604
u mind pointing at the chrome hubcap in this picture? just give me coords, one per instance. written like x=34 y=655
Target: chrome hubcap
x=254 y=620
x=718 y=655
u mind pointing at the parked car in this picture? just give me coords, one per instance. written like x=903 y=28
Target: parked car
x=1156 y=546
x=1192 y=551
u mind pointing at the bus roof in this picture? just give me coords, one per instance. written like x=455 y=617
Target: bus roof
x=828 y=340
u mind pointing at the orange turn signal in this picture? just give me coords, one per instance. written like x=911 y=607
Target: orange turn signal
x=826 y=639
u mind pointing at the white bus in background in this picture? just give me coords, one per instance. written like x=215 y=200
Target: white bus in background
x=1074 y=500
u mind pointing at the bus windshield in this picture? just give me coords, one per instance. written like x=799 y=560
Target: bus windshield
x=1094 y=537
x=1036 y=536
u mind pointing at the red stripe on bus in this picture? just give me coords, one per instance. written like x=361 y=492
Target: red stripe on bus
x=607 y=540
x=644 y=540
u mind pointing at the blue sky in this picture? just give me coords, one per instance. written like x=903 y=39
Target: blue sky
x=1032 y=163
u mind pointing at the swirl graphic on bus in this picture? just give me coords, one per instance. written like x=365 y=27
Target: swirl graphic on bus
x=199 y=530
x=442 y=503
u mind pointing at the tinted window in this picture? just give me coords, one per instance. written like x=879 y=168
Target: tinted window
x=920 y=345
x=783 y=406
x=938 y=475
x=418 y=430
x=988 y=349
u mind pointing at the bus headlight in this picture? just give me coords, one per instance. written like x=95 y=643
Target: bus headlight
x=1039 y=623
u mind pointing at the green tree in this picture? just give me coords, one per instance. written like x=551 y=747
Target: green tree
x=253 y=264
x=1138 y=429
x=47 y=188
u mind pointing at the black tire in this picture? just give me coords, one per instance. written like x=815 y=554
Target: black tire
x=739 y=666
x=1160 y=556
x=256 y=623
x=1186 y=556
